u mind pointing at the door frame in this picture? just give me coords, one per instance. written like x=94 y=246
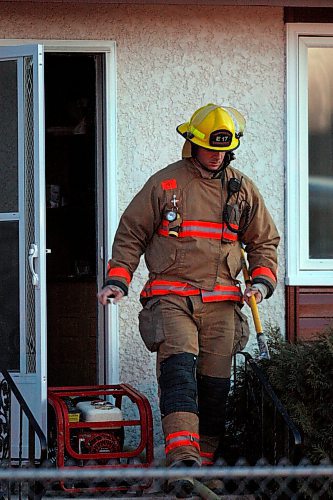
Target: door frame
x=108 y=362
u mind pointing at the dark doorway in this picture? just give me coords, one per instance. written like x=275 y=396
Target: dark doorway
x=71 y=221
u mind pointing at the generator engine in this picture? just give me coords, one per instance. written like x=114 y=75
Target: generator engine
x=95 y=441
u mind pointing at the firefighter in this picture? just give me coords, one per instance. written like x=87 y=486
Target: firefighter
x=189 y=220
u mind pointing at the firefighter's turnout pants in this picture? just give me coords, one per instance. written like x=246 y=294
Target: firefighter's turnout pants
x=194 y=342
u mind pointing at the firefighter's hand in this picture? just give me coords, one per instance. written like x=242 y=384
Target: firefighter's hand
x=109 y=292
x=252 y=291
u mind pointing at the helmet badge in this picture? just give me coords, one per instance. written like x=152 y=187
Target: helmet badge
x=221 y=138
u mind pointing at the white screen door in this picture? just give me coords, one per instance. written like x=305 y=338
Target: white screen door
x=22 y=224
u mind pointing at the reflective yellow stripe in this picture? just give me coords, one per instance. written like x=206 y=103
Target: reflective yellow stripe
x=196 y=132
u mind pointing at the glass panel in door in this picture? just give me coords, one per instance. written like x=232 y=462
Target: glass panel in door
x=9 y=224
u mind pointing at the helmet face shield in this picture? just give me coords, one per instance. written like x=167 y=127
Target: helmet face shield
x=214 y=127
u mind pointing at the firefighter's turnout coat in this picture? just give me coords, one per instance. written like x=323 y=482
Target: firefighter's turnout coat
x=200 y=251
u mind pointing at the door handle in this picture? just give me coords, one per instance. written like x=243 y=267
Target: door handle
x=33 y=254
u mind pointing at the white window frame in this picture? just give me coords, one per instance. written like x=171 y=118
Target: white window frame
x=300 y=269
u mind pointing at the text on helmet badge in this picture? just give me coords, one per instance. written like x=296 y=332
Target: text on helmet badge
x=220 y=138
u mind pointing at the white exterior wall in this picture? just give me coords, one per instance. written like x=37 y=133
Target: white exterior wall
x=172 y=60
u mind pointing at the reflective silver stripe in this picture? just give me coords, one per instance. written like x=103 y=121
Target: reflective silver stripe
x=187 y=437
x=172 y=288
x=216 y=293
x=202 y=229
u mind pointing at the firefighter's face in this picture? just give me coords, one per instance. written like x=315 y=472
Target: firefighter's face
x=210 y=159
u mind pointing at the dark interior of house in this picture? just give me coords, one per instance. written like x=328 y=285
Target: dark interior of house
x=70 y=152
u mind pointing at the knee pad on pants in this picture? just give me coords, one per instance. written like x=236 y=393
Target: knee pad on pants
x=212 y=399
x=178 y=384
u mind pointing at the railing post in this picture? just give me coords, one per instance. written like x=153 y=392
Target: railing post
x=5 y=433
x=8 y=389
x=5 y=404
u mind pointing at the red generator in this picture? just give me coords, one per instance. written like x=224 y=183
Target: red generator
x=88 y=427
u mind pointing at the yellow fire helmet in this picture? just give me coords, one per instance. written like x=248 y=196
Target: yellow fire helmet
x=218 y=128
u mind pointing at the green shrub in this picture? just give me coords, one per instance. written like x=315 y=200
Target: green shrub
x=302 y=377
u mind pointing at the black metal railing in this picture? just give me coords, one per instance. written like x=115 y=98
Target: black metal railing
x=258 y=425
x=30 y=440
x=259 y=430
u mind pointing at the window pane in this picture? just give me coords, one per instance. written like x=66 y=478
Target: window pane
x=8 y=137
x=320 y=67
x=9 y=296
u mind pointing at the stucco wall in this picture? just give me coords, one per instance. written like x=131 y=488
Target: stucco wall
x=171 y=60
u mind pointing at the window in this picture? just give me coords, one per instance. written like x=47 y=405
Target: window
x=310 y=154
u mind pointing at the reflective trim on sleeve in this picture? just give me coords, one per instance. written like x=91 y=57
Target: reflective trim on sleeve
x=263 y=271
x=119 y=272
